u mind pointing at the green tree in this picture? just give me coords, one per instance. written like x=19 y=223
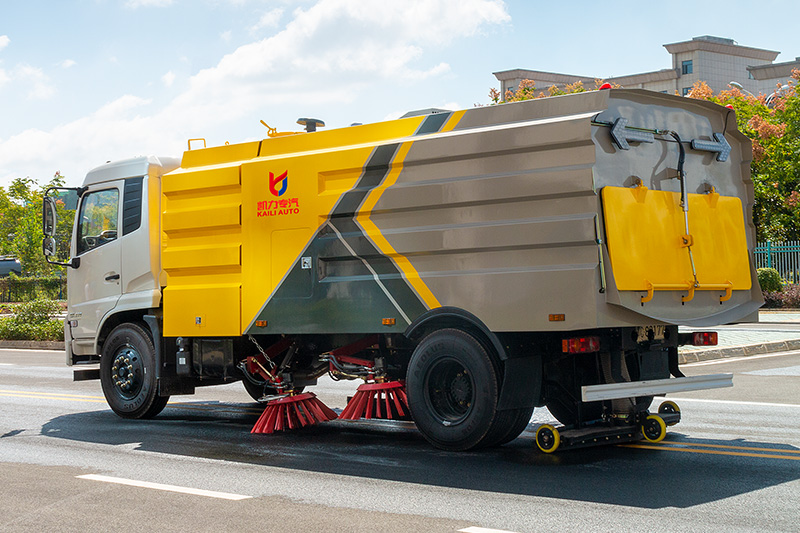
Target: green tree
x=21 y=224
x=773 y=125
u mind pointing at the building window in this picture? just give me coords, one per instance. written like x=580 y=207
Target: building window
x=686 y=67
x=685 y=90
x=750 y=75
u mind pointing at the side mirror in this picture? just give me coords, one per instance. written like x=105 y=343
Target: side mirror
x=49 y=219
x=49 y=247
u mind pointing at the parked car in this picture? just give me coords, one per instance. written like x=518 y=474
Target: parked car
x=9 y=265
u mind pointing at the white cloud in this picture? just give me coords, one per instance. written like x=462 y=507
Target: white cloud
x=117 y=130
x=40 y=87
x=67 y=63
x=270 y=19
x=4 y=40
x=331 y=52
x=341 y=44
x=168 y=79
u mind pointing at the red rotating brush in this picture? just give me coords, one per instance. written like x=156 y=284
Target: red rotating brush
x=292 y=412
x=378 y=400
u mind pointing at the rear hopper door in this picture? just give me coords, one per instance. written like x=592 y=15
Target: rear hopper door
x=650 y=249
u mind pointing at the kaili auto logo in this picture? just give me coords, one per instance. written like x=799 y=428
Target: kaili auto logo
x=285 y=206
x=274 y=182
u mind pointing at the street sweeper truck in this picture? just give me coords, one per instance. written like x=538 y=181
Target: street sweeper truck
x=465 y=266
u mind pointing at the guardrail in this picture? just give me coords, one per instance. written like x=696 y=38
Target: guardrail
x=782 y=256
x=13 y=289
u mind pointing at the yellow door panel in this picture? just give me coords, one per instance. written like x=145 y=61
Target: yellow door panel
x=202 y=311
x=315 y=184
x=649 y=247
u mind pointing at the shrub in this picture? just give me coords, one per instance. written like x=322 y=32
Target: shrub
x=33 y=321
x=787 y=299
x=36 y=311
x=770 y=280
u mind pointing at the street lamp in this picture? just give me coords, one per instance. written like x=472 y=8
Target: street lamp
x=738 y=85
x=770 y=101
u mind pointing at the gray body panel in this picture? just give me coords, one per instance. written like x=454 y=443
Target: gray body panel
x=505 y=222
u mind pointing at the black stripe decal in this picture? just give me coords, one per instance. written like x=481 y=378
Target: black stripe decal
x=343 y=219
x=432 y=123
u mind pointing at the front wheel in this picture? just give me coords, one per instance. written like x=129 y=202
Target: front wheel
x=452 y=390
x=127 y=373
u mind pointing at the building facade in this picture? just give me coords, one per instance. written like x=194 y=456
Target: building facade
x=714 y=60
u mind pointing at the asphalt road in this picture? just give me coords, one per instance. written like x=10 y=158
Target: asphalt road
x=732 y=464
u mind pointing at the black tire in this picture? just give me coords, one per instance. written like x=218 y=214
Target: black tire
x=452 y=390
x=522 y=418
x=565 y=410
x=127 y=373
x=564 y=377
x=255 y=391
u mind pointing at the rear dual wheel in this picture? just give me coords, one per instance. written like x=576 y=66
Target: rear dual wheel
x=453 y=390
x=453 y=386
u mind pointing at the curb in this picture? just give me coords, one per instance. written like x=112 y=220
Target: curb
x=695 y=356
x=33 y=345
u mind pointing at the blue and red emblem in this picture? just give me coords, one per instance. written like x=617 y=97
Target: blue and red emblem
x=274 y=182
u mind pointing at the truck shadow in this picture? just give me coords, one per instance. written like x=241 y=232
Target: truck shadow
x=682 y=472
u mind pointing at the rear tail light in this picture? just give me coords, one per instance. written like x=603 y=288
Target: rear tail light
x=704 y=338
x=580 y=345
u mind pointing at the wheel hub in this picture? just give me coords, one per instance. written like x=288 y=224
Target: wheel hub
x=460 y=388
x=450 y=391
x=126 y=370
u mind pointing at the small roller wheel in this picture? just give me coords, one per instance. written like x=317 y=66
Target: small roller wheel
x=547 y=438
x=654 y=429
x=669 y=408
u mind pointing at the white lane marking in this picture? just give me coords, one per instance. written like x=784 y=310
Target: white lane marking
x=782 y=371
x=11 y=350
x=735 y=359
x=169 y=488
x=473 y=529
x=677 y=399
x=6 y=364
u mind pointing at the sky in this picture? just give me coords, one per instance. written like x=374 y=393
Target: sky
x=83 y=82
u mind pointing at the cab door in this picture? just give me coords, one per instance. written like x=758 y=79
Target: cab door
x=95 y=286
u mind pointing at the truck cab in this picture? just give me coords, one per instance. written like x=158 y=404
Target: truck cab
x=115 y=252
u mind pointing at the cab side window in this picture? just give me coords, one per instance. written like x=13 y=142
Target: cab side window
x=98 y=219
